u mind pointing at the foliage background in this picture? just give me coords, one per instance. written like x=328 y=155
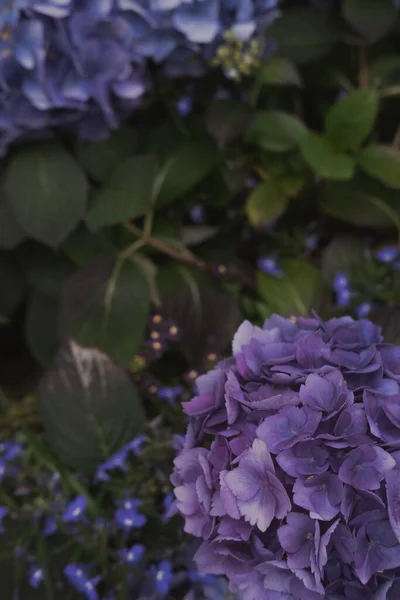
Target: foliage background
x=218 y=199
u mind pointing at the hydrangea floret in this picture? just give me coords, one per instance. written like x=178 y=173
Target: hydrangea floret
x=290 y=469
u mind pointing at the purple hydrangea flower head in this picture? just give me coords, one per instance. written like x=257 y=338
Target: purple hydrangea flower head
x=290 y=469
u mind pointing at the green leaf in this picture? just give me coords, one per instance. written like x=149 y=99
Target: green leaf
x=276 y=131
x=350 y=121
x=363 y=202
x=278 y=71
x=343 y=253
x=149 y=270
x=11 y=232
x=385 y=70
x=371 y=18
x=206 y=315
x=226 y=120
x=12 y=285
x=83 y=246
x=106 y=305
x=266 y=203
x=324 y=160
x=185 y=168
x=46 y=270
x=41 y=327
x=297 y=292
x=303 y=34
x=89 y=407
x=382 y=162
x=100 y=159
x=126 y=196
x=47 y=191
x=197 y=234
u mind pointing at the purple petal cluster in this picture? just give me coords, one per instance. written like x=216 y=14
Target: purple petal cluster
x=83 y=64
x=290 y=469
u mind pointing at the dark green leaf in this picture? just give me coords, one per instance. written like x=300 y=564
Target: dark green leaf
x=266 y=203
x=89 y=406
x=278 y=71
x=382 y=162
x=106 y=305
x=82 y=247
x=47 y=271
x=11 y=232
x=41 y=327
x=345 y=254
x=47 y=191
x=385 y=70
x=303 y=34
x=350 y=122
x=197 y=234
x=207 y=315
x=226 y=120
x=298 y=292
x=149 y=270
x=362 y=202
x=324 y=160
x=186 y=168
x=100 y=159
x=389 y=319
x=276 y=131
x=12 y=285
x=371 y=18
x=126 y=196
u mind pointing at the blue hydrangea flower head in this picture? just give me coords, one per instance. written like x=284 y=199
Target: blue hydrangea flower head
x=290 y=470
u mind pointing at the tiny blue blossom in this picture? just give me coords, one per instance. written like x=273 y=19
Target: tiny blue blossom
x=268 y=265
x=75 y=511
x=340 y=282
x=197 y=213
x=343 y=297
x=170 y=394
x=50 y=526
x=162 y=576
x=184 y=106
x=36 y=576
x=132 y=555
x=363 y=310
x=387 y=254
x=78 y=577
x=3 y=513
x=127 y=516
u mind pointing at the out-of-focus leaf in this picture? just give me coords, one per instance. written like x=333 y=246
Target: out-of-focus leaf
x=106 y=305
x=388 y=318
x=89 y=407
x=206 y=315
x=384 y=70
x=41 y=327
x=324 y=160
x=46 y=270
x=11 y=232
x=149 y=270
x=276 y=131
x=298 y=291
x=12 y=285
x=100 y=159
x=82 y=247
x=47 y=191
x=278 y=71
x=350 y=121
x=128 y=194
x=226 y=120
x=343 y=253
x=371 y=18
x=382 y=162
x=185 y=168
x=197 y=234
x=266 y=203
x=303 y=34
x=362 y=202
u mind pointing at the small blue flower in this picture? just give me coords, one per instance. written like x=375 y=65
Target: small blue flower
x=132 y=555
x=10 y=450
x=343 y=297
x=387 y=254
x=170 y=394
x=168 y=501
x=127 y=516
x=78 y=576
x=312 y=242
x=363 y=310
x=49 y=526
x=75 y=510
x=3 y=513
x=135 y=446
x=36 y=576
x=197 y=213
x=268 y=265
x=184 y=106
x=340 y=282
x=162 y=577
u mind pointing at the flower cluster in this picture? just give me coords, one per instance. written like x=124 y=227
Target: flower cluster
x=290 y=470
x=83 y=64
